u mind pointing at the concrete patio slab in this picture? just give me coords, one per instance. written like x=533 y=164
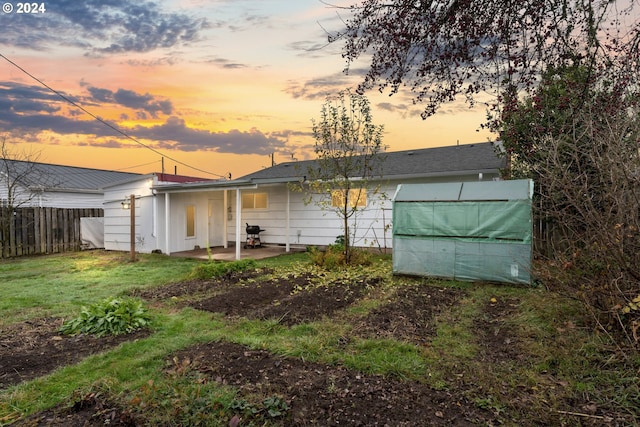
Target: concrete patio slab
x=220 y=253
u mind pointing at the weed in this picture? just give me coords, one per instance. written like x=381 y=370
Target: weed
x=113 y=316
x=216 y=269
x=334 y=257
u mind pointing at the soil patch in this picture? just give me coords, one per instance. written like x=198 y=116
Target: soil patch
x=324 y=395
x=196 y=286
x=291 y=300
x=89 y=411
x=315 y=303
x=409 y=314
x=35 y=348
x=244 y=298
x=497 y=340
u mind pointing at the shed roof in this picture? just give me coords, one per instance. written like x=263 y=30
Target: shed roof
x=44 y=176
x=520 y=189
x=441 y=161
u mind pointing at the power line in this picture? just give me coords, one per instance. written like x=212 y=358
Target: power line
x=80 y=107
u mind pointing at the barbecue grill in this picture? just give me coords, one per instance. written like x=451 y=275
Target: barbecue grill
x=253 y=236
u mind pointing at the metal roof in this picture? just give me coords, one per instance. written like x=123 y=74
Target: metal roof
x=44 y=176
x=452 y=160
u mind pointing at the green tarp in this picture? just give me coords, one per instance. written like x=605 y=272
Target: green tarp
x=465 y=231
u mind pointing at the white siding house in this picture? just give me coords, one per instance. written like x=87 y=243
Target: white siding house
x=151 y=229
x=175 y=217
x=43 y=185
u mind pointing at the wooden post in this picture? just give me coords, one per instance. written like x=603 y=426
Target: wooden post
x=133 y=227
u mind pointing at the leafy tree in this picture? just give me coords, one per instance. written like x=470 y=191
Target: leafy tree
x=443 y=49
x=525 y=125
x=348 y=149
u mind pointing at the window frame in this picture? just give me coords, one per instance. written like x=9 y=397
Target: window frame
x=357 y=194
x=190 y=221
x=255 y=196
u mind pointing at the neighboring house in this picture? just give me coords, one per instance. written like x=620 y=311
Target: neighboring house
x=179 y=216
x=54 y=186
x=54 y=208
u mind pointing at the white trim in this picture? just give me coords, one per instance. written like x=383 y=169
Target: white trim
x=288 y=218
x=167 y=229
x=238 y=222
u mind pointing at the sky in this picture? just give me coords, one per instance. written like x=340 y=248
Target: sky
x=215 y=87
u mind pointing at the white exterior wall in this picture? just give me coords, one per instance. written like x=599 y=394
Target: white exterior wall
x=70 y=200
x=53 y=199
x=309 y=225
x=117 y=221
x=216 y=216
x=209 y=209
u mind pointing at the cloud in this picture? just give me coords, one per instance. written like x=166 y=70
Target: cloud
x=146 y=102
x=175 y=134
x=102 y=27
x=226 y=63
x=318 y=88
x=26 y=111
x=131 y=99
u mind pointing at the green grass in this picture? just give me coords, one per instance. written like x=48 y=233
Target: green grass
x=59 y=285
x=558 y=342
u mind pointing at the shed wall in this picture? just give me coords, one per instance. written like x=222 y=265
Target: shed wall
x=475 y=239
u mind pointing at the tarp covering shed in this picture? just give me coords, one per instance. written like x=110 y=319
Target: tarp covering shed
x=466 y=230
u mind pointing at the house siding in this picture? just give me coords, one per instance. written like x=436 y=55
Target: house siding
x=311 y=226
x=117 y=221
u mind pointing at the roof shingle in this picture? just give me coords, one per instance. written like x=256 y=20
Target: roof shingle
x=423 y=162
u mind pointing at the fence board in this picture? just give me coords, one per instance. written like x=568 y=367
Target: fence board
x=29 y=231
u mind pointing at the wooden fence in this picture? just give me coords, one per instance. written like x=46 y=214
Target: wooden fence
x=31 y=231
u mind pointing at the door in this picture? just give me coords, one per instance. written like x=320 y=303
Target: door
x=216 y=222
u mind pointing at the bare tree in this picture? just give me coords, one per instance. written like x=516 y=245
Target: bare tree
x=18 y=171
x=590 y=181
x=21 y=181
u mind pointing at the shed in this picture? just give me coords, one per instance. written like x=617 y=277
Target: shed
x=464 y=230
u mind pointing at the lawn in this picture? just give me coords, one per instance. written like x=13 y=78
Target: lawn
x=286 y=343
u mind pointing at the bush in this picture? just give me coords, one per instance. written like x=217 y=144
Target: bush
x=216 y=269
x=333 y=257
x=113 y=316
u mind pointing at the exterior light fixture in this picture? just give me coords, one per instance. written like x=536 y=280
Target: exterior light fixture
x=126 y=203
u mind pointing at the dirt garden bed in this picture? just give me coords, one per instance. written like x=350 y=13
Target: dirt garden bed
x=316 y=394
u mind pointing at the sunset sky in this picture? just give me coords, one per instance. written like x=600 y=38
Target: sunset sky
x=213 y=86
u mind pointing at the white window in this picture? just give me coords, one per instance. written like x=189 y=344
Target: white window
x=191 y=221
x=254 y=200
x=357 y=198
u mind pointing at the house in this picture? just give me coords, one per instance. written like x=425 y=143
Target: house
x=179 y=216
x=147 y=210
x=47 y=208
x=33 y=184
